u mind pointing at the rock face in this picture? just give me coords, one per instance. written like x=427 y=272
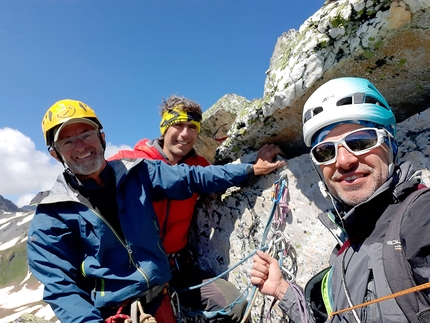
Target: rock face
x=384 y=41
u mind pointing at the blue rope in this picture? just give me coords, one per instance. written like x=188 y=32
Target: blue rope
x=227 y=309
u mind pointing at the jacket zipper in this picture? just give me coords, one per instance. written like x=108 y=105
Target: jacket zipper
x=131 y=260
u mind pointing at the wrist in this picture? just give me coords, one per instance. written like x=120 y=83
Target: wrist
x=281 y=290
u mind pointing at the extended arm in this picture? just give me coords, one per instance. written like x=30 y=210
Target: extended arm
x=180 y=181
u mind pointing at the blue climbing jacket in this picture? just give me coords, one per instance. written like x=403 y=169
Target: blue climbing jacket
x=84 y=263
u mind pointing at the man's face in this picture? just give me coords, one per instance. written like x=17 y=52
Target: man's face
x=80 y=147
x=353 y=179
x=179 y=139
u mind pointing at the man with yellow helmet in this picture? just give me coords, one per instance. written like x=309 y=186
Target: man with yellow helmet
x=86 y=243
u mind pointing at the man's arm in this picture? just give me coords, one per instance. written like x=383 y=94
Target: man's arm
x=180 y=181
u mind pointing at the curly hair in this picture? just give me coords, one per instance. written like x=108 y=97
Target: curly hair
x=174 y=100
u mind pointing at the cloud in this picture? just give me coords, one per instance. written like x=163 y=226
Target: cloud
x=112 y=149
x=25 y=171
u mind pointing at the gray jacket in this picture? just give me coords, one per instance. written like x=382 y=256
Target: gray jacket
x=359 y=262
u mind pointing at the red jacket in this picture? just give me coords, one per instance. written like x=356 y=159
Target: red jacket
x=174 y=216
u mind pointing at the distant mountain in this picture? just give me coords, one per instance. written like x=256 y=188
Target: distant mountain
x=27 y=208
x=8 y=206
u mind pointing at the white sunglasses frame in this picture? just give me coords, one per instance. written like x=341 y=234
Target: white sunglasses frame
x=381 y=135
x=58 y=144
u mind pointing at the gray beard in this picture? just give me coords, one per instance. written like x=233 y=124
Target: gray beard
x=88 y=168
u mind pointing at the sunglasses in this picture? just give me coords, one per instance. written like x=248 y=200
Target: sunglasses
x=67 y=144
x=357 y=142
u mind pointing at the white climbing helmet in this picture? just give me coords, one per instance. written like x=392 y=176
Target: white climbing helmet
x=345 y=99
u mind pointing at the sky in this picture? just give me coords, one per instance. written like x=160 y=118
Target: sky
x=122 y=58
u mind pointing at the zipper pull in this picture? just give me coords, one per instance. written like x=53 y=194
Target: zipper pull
x=129 y=255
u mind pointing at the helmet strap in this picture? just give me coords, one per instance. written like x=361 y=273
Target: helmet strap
x=102 y=141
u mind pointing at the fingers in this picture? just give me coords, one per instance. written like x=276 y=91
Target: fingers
x=264 y=163
x=268 y=152
x=260 y=271
x=264 y=257
x=262 y=167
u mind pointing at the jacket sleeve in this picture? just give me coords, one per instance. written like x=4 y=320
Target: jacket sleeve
x=53 y=256
x=294 y=307
x=181 y=181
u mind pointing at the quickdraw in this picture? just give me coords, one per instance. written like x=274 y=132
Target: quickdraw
x=279 y=196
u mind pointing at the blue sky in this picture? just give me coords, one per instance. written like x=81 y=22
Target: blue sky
x=122 y=58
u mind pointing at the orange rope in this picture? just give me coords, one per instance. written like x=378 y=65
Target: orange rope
x=383 y=298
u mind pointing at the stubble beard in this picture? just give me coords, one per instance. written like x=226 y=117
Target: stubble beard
x=89 y=167
x=356 y=194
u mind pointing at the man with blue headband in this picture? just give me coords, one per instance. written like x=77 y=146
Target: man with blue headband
x=379 y=217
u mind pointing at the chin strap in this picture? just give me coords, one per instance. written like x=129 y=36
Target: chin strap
x=323 y=189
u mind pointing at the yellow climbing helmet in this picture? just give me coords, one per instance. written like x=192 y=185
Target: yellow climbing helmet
x=63 y=111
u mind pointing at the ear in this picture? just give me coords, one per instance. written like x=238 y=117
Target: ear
x=54 y=154
x=102 y=140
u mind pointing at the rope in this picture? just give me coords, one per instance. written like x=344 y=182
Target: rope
x=279 y=197
x=277 y=194
x=135 y=308
x=384 y=298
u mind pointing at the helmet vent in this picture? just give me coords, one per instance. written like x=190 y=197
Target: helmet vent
x=311 y=113
x=375 y=101
x=359 y=98
x=344 y=101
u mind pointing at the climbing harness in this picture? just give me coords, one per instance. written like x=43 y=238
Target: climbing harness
x=134 y=317
x=137 y=314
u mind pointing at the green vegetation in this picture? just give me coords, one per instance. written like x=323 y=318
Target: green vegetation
x=13 y=265
x=368 y=54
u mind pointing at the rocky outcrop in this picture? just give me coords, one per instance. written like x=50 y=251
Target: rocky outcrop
x=217 y=121
x=384 y=41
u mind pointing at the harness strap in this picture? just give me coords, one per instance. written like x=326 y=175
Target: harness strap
x=136 y=307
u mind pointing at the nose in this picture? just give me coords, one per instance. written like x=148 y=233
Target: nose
x=185 y=132
x=79 y=144
x=345 y=159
